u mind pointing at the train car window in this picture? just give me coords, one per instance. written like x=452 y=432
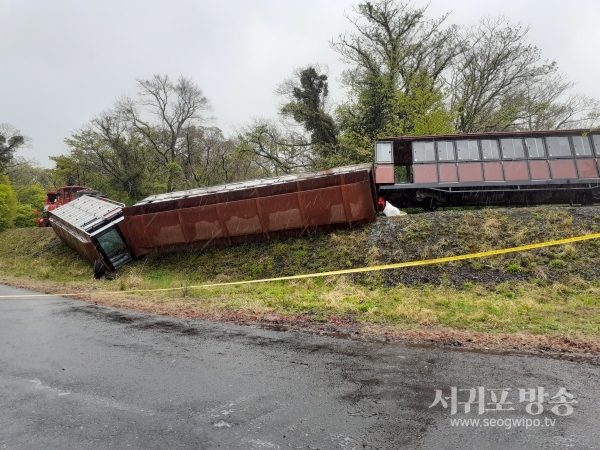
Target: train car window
x=423 y=151
x=596 y=141
x=445 y=151
x=111 y=242
x=512 y=148
x=467 y=150
x=535 y=147
x=489 y=149
x=384 y=152
x=58 y=196
x=558 y=146
x=582 y=146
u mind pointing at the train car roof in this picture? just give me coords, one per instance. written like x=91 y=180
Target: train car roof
x=495 y=134
x=87 y=213
x=252 y=184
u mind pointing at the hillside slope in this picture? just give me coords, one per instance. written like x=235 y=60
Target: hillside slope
x=553 y=291
x=38 y=253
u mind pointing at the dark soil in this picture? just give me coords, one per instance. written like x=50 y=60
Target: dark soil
x=441 y=234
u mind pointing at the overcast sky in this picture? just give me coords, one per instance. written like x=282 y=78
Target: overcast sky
x=62 y=62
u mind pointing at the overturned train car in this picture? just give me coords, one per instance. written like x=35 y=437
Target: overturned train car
x=258 y=210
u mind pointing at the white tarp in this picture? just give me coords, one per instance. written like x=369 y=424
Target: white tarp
x=391 y=211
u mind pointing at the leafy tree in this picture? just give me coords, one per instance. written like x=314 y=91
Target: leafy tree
x=8 y=203
x=308 y=92
x=72 y=170
x=399 y=59
x=32 y=195
x=107 y=149
x=393 y=43
x=23 y=173
x=24 y=216
x=424 y=110
x=10 y=140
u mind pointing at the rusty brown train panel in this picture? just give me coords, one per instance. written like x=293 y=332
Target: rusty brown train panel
x=287 y=206
x=78 y=241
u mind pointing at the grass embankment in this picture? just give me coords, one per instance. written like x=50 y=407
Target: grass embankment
x=552 y=292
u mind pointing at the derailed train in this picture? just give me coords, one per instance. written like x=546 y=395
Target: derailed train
x=427 y=171
x=110 y=235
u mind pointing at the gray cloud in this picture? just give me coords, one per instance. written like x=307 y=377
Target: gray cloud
x=65 y=61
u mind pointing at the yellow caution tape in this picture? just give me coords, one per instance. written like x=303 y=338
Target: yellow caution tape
x=424 y=262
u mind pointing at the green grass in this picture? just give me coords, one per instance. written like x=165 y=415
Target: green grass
x=553 y=291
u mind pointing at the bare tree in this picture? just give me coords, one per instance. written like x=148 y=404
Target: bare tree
x=277 y=149
x=163 y=116
x=210 y=158
x=491 y=75
x=548 y=105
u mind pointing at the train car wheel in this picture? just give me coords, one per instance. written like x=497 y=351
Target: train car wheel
x=430 y=204
x=99 y=269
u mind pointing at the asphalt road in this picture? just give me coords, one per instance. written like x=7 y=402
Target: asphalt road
x=74 y=375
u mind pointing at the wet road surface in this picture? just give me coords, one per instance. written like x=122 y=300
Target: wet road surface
x=77 y=376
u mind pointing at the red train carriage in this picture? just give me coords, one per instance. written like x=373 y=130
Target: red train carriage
x=535 y=167
x=291 y=205
x=60 y=197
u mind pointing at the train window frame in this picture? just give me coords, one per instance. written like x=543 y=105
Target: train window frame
x=514 y=156
x=595 y=139
x=469 y=150
x=539 y=146
x=384 y=152
x=424 y=156
x=583 y=138
x=107 y=241
x=491 y=158
x=438 y=153
x=554 y=155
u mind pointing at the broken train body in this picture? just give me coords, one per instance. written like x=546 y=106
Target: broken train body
x=110 y=235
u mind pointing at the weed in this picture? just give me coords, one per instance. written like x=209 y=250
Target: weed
x=513 y=268
x=477 y=265
x=280 y=250
x=156 y=275
x=185 y=288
